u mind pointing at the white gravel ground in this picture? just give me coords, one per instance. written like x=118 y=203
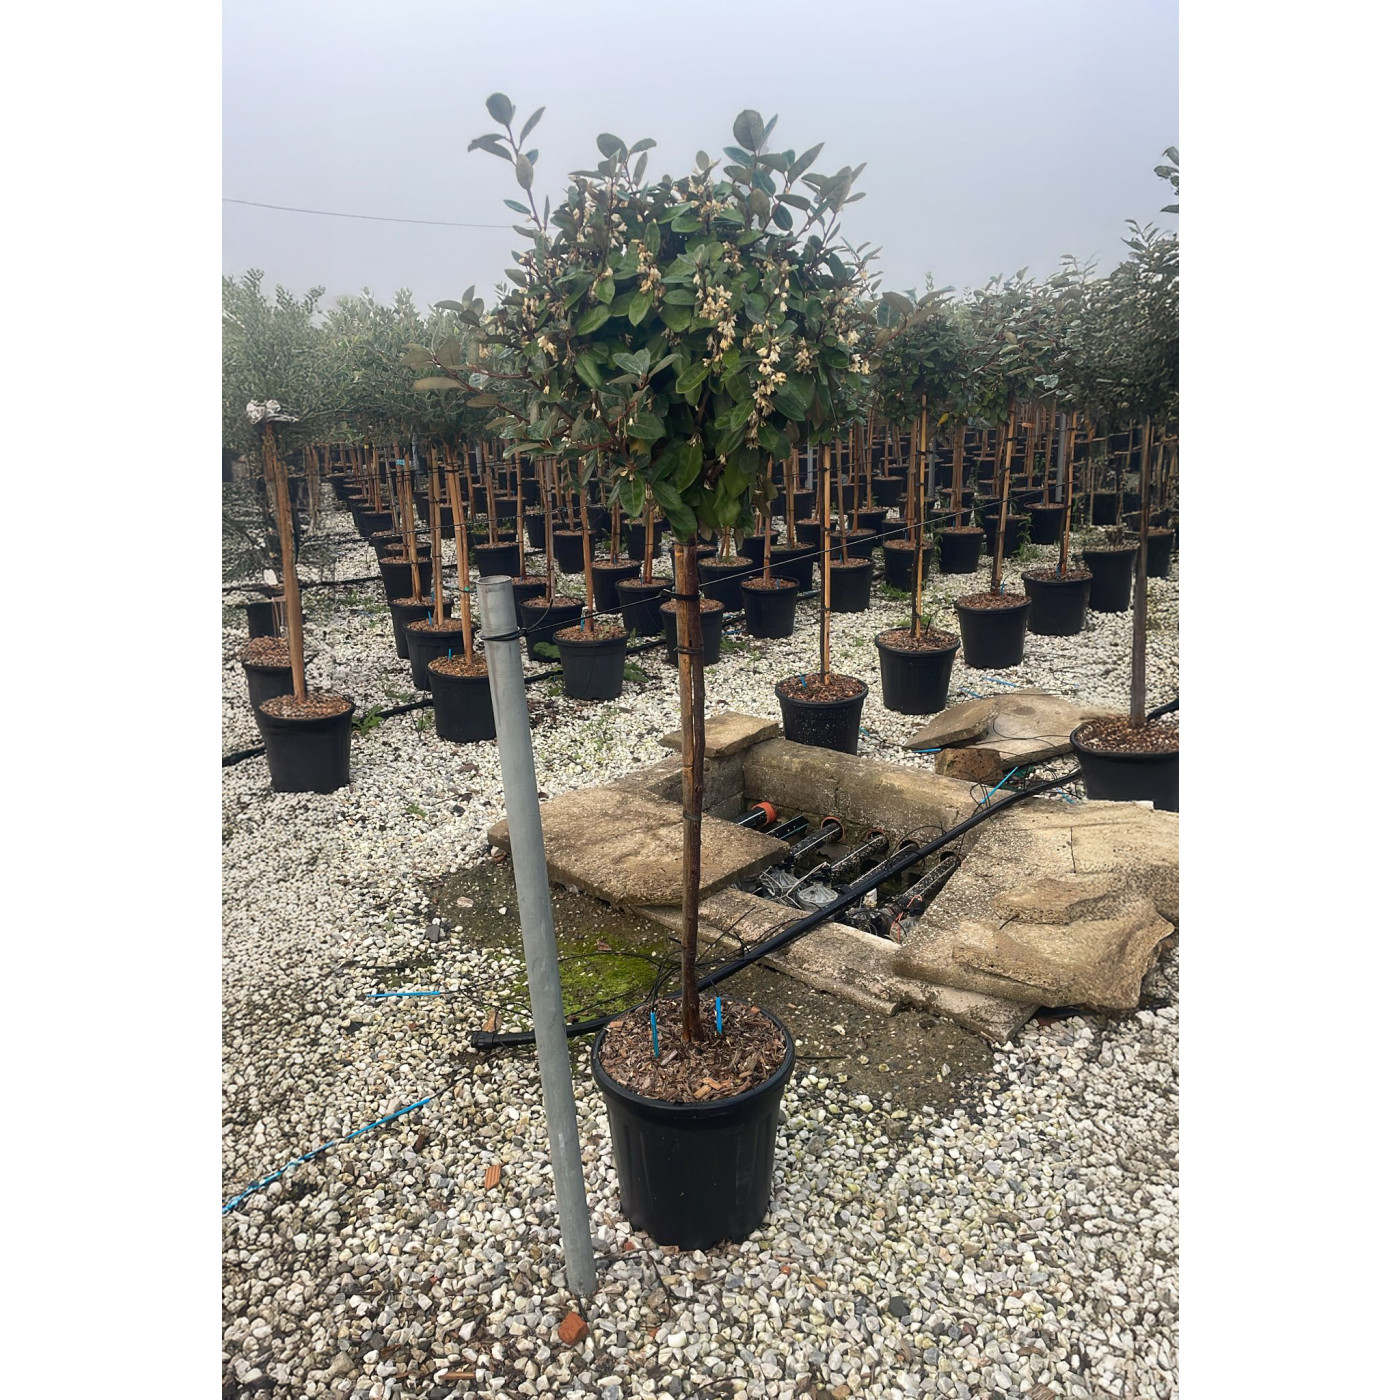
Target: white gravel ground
x=1023 y=1244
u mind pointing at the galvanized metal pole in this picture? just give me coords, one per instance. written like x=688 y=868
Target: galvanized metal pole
x=497 y=601
x=1060 y=463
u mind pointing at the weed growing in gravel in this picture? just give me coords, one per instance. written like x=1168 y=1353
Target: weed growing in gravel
x=371 y=719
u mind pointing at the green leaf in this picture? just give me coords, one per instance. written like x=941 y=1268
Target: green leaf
x=675 y=318
x=692 y=376
x=524 y=172
x=805 y=160
x=611 y=145
x=437 y=381
x=667 y=496
x=651 y=236
x=748 y=130
x=641 y=304
x=648 y=427
x=606 y=289
x=587 y=367
x=632 y=495
x=686 y=223
x=692 y=458
x=516 y=205
x=530 y=125
x=591 y=319
x=502 y=109
x=484 y=401
x=682 y=520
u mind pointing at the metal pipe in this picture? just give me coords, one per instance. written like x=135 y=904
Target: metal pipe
x=507 y=677
x=876 y=845
x=829 y=831
x=785 y=831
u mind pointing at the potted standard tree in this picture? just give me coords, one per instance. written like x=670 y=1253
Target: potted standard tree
x=1128 y=355
x=677 y=334
x=271 y=350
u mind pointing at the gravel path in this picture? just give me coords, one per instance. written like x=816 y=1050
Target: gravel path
x=1024 y=1244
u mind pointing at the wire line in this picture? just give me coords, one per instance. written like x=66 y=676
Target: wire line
x=378 y=218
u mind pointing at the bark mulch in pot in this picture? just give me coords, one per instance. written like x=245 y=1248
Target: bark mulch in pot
x=473 y=665
x=1048 y=575
x=317 y=705
x=706 y=605
x=603 y=632
x=903 y=639
x=267 y=651
x=426 y=624
x=1116 y=735
x=834 y=688
x=991 y=602
x=716 y=1066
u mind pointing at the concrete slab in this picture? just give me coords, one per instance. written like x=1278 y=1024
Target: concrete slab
x=846 y=962
x=1032 y=725
x=728 y=733
x=1056 y=904
x=955 y=725
x=624 y=846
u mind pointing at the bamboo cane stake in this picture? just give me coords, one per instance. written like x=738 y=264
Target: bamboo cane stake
x=689 y=661
x=435 y=536
x=459 y=534
x=1137 y=692
x=916 y=625
x=275 y=475
x=826 y=564
x=995 y=586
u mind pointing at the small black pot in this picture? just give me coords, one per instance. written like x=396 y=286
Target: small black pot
x=527 y=588
x=462 y=712
x=1025 y=496
x=639 y=605
x=802 y=503
x=307 y=755
x=850 y=585
x=711 y=633
x=1045 y=523
x=1057 y=605
x=860 y=544
x=915 y=682
x=495 y=559
x=692 y=1174
x=1130 y=777
x=809 y=532
x=530 y=492
x=702 y=552
x=592 y=666
x=722 y=581
x=899 y=565
x=795 y=562
x=385 y=546
x=888 y=490
x=1112 y=567
x=398 y=577
x=568 y=551
x=752 y=548
x=606 y=577
x=874 y=518
x=823 y=724
x=534 y=530
x=266 y=682
x=1017 y=532
x=371 y=522
x=637 y=541
x=993 y=638
x=769 y=612
x=1105 y=508
x=402 y=611
x=959 y=551
x=541 y=623
x=424 y=646
x=262 y=620
x=1159 y=553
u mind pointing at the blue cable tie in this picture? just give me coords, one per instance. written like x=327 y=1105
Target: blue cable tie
x=719 y=1014
x=1010 y=685
x=972 y=693
x=993 y=792
x=376 y=996
x=937 y=750
x=655 y=1041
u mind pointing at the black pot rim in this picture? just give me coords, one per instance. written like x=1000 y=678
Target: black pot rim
x=539 y=604
x=696 y=1112
x=586 y=643
x=1041 y=505
x=991 y=612
x=633 y=584
x=822 y=704
x=1056 y=582
x=780 y=582
x=308 y=720
x=1111 y=757
x=921 y=651
x=1108 y=549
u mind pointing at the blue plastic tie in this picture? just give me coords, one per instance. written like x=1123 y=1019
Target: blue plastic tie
x=449 y=653
x=655 y=1041
x=972 y=693
x=719 y=1015
x=1010 y=685
x=937 y=750
x=376 y=996
x=993 y=792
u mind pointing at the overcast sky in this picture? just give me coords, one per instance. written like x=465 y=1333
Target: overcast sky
x=998 y=133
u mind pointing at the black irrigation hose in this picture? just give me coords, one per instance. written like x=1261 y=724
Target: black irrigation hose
x=488 y=1040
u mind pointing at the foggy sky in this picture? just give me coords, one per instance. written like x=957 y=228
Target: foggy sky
x=998 y=133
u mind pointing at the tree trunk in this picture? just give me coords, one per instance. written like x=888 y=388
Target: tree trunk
x=435 y=536
x=459 y=535
x=690 y=659
x=275 y=475
x=916 y=491
x=998 y=553
x=1137 y=692
x=826 y=563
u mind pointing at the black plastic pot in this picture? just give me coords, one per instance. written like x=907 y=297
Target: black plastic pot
x=711 y=633
x=568 y=551
x=640 y=605
x=267 y=682
x=1159 y=553
x=809 y=532
x=1105 y=507
x=402 y=611
x=492 y=559
x=398 y=577
x=958 y=551
x=823 y=724
x=424 y=646
x=874 y=518
x=1025 y=496
x=722 y=581
x=1017 y=532
x=850 y=585
x=606 y=577
x=543 y=622
x=534 y=530
x=702 y=551
x=637 y=540
x=795 y=562
x=993 y=638
x=888 y=490
x=523 y=588
x=802 y=503
x=530 y=491
x=592 y=666
x=769 y=612
x=372 y=521
x=307 y=755
x=1130 y=777
x=1112 y=568
x=860 y=544
x=693 y=1174
x=1058 y=605
x=915 y=682
x=462 y=712
x=392 y=543
x=752 y=548
x=261 y=618
x=899 y=564
x=1045 y=523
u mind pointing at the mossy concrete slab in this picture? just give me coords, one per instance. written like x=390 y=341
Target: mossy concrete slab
x=728 y=733
x=623 y=845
